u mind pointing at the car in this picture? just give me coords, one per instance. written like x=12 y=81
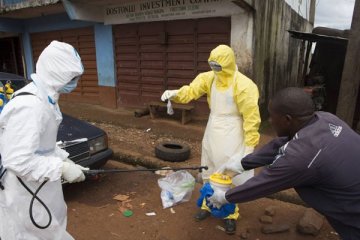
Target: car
x=86 y=143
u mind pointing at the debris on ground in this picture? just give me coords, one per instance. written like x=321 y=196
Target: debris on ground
x=150 y=214
x=98 y=223
x=172 y=211
x=104 y=206
x=220 y=228
x=121 y=197
x=310 y=223
x=141 y=112
x=124 y=205
x=244 y=235
x=266 y=219
x=270 y=211
x=275 y=228
x=116 y=235
x=127 y=213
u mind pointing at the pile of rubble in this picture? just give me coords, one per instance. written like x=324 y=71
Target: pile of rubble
x=310 y=223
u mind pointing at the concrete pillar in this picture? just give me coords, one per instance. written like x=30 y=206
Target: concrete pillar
x=105 y=62
x=350 y=80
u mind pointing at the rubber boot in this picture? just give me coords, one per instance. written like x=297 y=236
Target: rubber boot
x=230 y=226
x=202 y=215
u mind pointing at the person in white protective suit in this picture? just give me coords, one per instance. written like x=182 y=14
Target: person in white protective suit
x=28 y=131
x=232 y=130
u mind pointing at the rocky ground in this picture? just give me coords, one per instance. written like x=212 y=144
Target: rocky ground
x=95 y=214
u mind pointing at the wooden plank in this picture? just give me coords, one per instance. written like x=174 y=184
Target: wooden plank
x=126 y=64
x=153 y=64
x=151 y=56
x=174 y=105
x=350 y=81
x=181 y=65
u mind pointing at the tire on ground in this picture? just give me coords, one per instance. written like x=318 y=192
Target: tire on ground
x=172 y=151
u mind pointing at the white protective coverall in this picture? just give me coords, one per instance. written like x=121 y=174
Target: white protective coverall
x=28 y=132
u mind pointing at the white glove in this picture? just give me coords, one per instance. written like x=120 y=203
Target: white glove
x=168 y=94
x=218 y=199
x=72 y=172
x=232 y=167
x=69 y=161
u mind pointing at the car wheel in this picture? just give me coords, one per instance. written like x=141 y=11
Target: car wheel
x=172 y=151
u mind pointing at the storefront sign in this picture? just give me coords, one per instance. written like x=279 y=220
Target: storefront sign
x=160 y=10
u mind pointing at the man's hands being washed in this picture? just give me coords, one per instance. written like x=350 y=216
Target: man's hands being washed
x=218 y=199
x=233 y=166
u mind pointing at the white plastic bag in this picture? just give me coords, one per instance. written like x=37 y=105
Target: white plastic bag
x=170 y=109
x=176 y=188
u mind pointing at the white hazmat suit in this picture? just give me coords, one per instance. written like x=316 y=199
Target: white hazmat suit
x=28 y=132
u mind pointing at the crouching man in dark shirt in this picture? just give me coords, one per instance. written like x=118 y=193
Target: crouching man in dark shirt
x=316 y=153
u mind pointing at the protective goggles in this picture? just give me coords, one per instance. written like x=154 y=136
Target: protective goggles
x=215 y=66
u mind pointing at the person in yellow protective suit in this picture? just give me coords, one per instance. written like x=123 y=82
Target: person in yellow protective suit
x=232 y=129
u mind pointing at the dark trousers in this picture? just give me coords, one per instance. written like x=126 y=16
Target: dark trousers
x=346 y=232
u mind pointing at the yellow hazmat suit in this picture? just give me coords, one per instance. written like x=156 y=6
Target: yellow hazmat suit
x=234 y=120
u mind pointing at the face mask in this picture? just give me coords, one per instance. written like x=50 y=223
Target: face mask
x=215 y=66
x=68 y=88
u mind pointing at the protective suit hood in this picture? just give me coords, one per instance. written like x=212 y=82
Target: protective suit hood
x=224 y=56
x=57 y=65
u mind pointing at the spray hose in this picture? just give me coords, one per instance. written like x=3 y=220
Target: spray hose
x=100 y=171
x=34 y=196
x=89 y=173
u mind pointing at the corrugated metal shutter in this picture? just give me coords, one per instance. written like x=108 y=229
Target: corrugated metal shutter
x=83 y=40
x=152 y=57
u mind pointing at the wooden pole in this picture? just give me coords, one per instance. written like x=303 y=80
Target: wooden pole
x=351 y=73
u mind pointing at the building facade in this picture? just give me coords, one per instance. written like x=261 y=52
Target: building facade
x=134 y=50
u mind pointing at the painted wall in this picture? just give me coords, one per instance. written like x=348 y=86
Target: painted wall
x=242 y=26
x=277 y=55
x=43 y=24
x=302 y=7
x=105 y=59
x=11 y=25
x=103 y=41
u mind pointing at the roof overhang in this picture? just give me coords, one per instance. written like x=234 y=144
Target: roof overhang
x=321 y=36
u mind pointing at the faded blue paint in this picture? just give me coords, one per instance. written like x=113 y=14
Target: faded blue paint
x=26 y=42
x=105 y=55
x=11 y=25
x=103 y=41
x=10 y=2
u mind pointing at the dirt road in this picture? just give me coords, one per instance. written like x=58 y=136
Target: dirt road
x=94 y=214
